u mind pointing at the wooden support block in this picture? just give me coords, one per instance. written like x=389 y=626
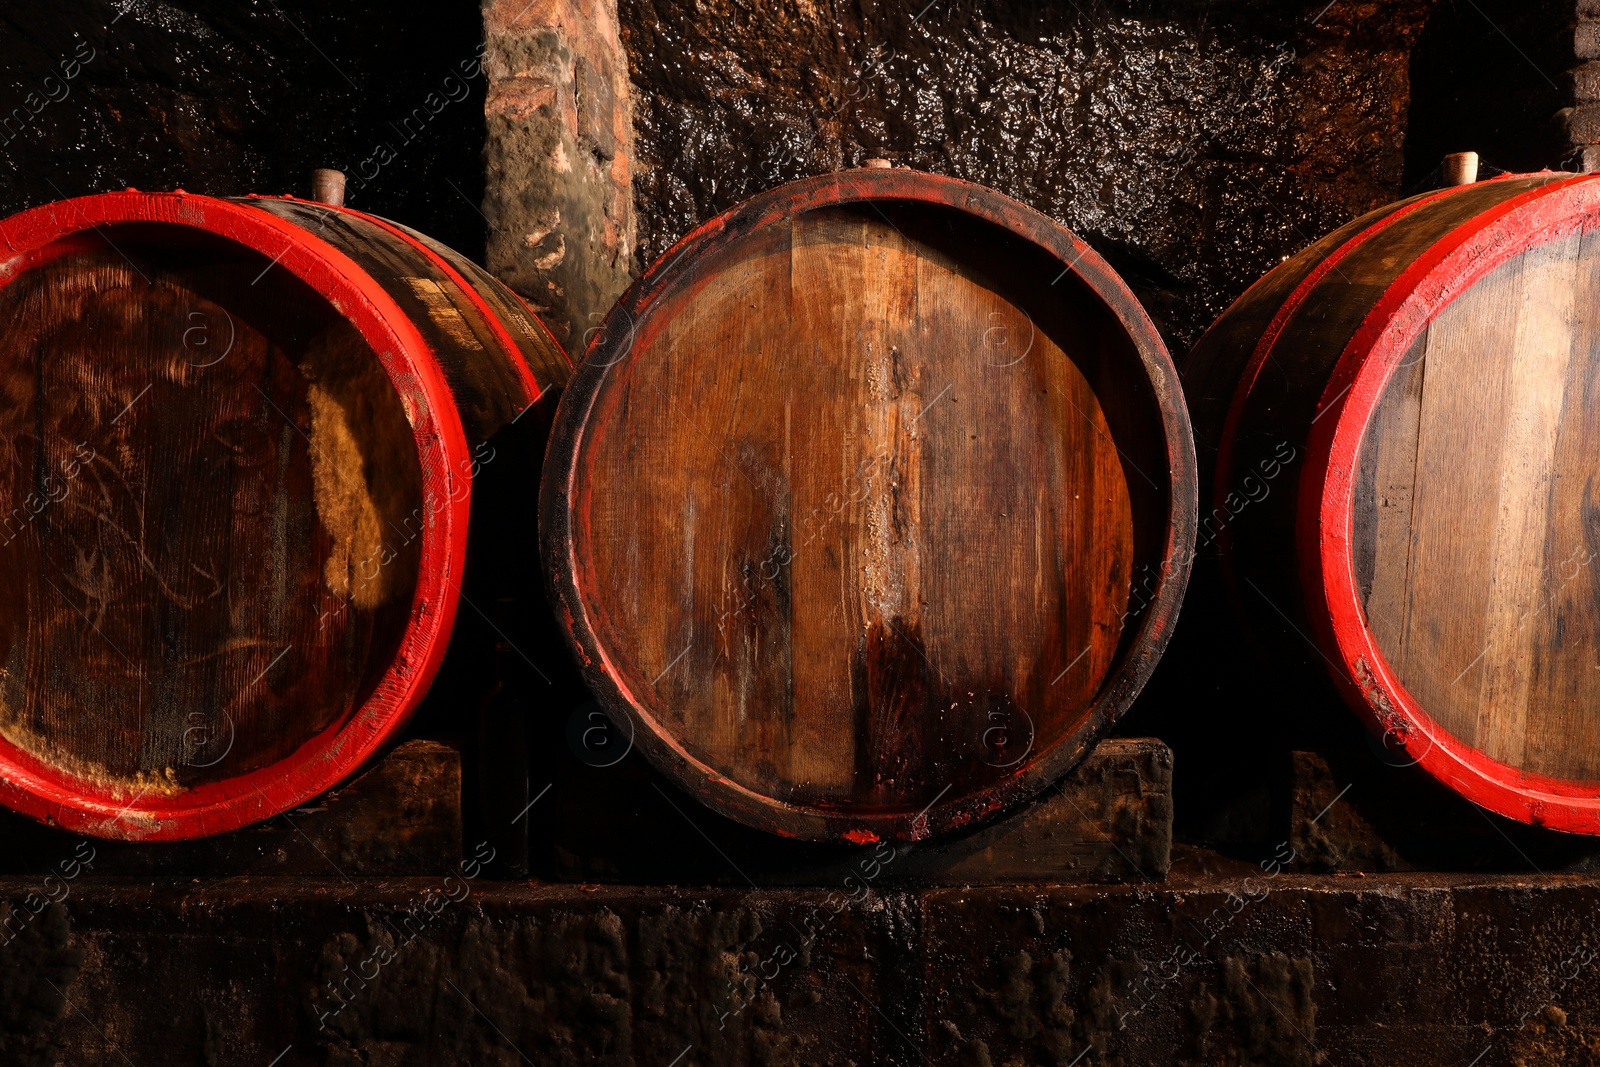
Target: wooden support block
x=401 y=816
x=1326 y=832
x=1110 y=820
x=1349 y=810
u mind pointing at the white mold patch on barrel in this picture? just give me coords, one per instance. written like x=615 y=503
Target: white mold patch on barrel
x=365 y=473
x=161 y=782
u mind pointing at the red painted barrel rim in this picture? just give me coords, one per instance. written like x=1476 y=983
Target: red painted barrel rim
x=1327 y=498
x=41 y=790
x=1239 y=402
x=614 y=342
x=1262 y=352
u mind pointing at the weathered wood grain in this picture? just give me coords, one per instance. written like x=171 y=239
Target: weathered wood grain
x=810 y=512
x=237 y=456
x=206 y=583
x=866 y=515
x=1468 y=599
x=1433 y=366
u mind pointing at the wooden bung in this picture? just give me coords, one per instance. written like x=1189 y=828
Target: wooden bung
x=1460 y=168
x=1398 y=427
x=240 y=438
x=327 y=186
x=870 y=507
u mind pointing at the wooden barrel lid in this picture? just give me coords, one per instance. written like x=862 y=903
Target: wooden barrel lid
x=1466 y=588
x=1431 y=370
x=235 y=488
x=869 y=508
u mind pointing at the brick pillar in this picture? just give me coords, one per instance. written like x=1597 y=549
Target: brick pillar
x=1583 y=118
x=558 y=192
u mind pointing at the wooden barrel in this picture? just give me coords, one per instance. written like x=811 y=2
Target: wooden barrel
x=1399 y=426
x=868 y=510
x=237 y=449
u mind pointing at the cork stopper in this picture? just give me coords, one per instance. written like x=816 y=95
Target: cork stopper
x=1461 y=168
x=327 y=186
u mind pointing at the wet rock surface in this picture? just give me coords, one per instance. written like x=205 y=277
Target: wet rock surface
x=1194 y=145
x=229 y=98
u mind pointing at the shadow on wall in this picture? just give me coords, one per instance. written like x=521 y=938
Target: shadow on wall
x=226 y=99
x=1490 y=76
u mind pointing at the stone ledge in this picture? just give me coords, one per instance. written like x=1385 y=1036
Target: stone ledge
x=1241 y=967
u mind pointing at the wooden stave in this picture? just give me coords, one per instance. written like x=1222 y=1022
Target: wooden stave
x=612 y=343
x=1219 y=376
x=430 y=370
x=489 y=392
x=1298 y=545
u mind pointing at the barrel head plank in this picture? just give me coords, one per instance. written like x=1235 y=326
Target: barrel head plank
x=201 y=489
x=239 y=446
x=858 y=517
